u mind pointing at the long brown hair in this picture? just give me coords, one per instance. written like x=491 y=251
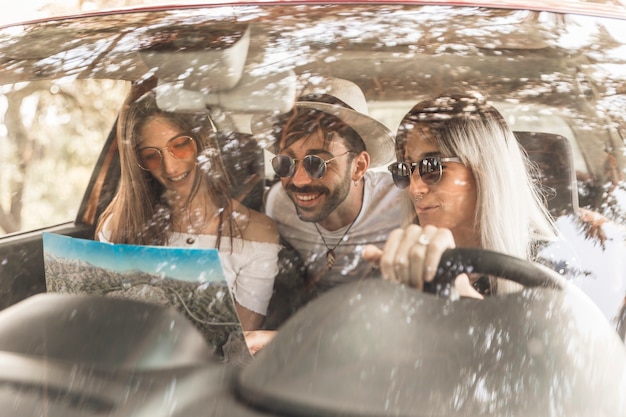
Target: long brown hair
x=139 y=213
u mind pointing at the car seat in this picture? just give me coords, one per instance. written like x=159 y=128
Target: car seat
x=243 y=159
x=552 y=154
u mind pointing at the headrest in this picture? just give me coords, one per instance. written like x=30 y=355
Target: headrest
x=552 y=154
x=244 y=163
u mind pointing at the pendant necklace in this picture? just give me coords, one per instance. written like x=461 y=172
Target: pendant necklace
x=330 y=252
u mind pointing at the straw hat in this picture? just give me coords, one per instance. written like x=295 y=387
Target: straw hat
x=377 y=137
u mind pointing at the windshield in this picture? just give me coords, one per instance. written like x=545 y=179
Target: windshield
x=293 y=141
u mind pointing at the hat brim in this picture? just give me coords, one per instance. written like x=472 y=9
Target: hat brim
x=377 y=137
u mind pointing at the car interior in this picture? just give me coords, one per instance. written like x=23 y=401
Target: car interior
x=226 y=69
x=246 y=65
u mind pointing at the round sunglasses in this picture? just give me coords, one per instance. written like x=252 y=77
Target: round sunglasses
x=315 y=166
x=430 y=170
x=181 y=147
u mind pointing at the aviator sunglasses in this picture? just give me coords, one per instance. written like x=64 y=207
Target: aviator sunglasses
x=181 y=147
x=430 y=170
x=315 y=166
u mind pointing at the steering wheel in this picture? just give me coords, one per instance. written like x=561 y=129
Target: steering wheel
x=471 y=260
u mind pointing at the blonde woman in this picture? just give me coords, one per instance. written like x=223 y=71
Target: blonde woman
x=470 y=186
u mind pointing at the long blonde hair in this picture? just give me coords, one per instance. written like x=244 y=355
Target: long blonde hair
x=139 y=213
x=511 y=215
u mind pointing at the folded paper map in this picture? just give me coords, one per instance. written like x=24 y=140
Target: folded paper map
x=190 y=280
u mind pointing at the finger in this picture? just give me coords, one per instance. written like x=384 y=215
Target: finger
x=417 y=259
x=372 y=254
x=464 y=287
x=257 y=339
x=403 y=261
x=416 y=269
x=387 y=260
x=441 y=240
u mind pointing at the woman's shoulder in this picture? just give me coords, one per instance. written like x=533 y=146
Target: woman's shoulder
x=260 y=228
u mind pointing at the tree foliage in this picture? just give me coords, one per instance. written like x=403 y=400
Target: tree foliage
x=53 y=133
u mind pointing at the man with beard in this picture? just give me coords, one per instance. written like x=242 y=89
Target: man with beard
x=329 y=205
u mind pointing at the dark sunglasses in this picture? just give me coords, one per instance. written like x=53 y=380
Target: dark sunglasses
x=315 y=166
x=181 y=147
x=430 y=170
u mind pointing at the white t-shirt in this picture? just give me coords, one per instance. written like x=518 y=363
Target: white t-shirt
x=249 y=269
x=382 y=211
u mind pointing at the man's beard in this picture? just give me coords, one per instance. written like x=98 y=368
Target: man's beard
x=333 y=199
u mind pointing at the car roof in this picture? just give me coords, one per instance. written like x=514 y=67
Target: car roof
x=600 y=8
x=111 y=35
x=55 y=47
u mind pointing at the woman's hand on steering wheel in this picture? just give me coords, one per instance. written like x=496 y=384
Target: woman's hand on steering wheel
x=411 y=256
